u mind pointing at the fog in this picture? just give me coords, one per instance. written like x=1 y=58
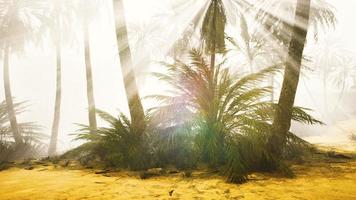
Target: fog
x=33 y=73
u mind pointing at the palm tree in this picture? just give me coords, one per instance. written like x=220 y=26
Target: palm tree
x=252 y=46
x=282 y=119
x=18 y=27
x=256 y=52
x=213 y=35
x=57 y=105
x=238 y=112
x=343 y=76
x=8 y=97
x=213 y=30
x=334 y=65
x=61 y=13
x=128 y=73
x=273 y=31
x=85 y=12
x=89 y=76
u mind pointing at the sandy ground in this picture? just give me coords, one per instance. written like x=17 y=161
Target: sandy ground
x=322 y=180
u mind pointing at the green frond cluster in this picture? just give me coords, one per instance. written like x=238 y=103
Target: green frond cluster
x=213 y=29
x=228 y=116
x=33 y=139
x=115 y=145
x=209 y=115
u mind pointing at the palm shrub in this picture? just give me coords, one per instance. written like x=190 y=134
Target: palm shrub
x=172 y=145
x=32 y=145
x=119 y=147
x=116 y=145
x=228 y=114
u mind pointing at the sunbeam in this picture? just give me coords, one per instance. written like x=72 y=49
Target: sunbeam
x=211 y=93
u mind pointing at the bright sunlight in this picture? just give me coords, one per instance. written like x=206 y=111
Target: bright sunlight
x=177 y=99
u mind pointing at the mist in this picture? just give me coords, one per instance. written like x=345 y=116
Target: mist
x=33 y=75
x=183 y=99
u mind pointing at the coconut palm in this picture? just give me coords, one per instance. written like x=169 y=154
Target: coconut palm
x=343 y=75
x=135 y=105
x=89 y=76
x=86 y=11
x=146 y=46
x=283 y=115
x=334 y=65
x=61 y=13
x=20 y=21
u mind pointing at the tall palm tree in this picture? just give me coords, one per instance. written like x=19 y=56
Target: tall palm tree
x=89 y=76
x=61 y=13
x=85 y=11
x=128 y=73
x=18 y=26
x=282 y=120
x=57 y=105
x=8 y=96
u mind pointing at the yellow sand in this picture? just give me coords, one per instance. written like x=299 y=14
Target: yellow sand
x=314 y=181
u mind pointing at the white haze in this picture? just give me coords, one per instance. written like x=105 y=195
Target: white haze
x=33 y=74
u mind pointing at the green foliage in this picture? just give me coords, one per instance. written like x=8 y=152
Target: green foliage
x=227 y=115
x=173 y=146
x=32 y=145
x=115 y=145
x=213 y=30
x=118 y=146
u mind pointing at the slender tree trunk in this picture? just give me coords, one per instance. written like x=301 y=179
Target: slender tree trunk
x=283 y=115
x=57 y=105
x=8 y=97
x=89 y=78
x=128 y=73
x=272 y=88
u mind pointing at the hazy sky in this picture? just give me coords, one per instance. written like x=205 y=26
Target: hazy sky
x=33 y=76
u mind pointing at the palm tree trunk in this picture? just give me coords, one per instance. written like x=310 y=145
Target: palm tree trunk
x=283 y=114
x=8 y=97
x=57 y=108
x=272 y=88
x=128 y=73
x=89 y=78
